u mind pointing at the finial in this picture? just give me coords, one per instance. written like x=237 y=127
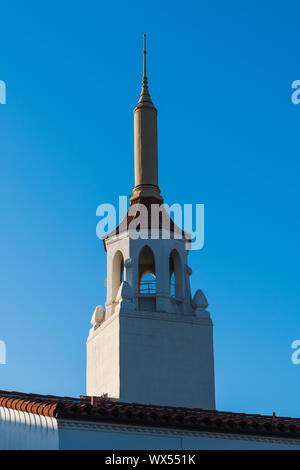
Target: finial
x=144 y=63
x=145 y=99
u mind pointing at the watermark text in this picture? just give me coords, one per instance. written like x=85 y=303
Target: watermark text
x=2 y=92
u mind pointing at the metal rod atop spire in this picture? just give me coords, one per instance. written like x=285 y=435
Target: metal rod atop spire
x=145 y=99
x=144 y=62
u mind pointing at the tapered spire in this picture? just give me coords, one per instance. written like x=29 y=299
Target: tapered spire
x=145 y=143
x=145 y=99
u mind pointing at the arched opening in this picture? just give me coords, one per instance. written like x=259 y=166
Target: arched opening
x=147 y=275
x=175 y=274
x=172 y=285
x=148 y=284
x=117 y=273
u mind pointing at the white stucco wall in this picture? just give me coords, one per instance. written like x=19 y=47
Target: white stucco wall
x=166 y=359
x=151 y=357
x=27 y=431
x=103 y=360
x=118 y=437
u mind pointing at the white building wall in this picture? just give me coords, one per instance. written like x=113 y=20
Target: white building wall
x=151 y=357
x=27 y=431
x=120 y=437
x=166 y=359
x=103 y=360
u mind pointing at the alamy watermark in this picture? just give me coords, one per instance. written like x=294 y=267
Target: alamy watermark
x=154 y=220
x=295 y=358
x=2 y=352
x=296 y=94
x=2 y=92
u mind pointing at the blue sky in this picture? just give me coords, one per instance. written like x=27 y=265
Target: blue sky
x=220 y=74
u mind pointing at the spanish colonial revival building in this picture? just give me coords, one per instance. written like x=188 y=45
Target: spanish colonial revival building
x=150 y=360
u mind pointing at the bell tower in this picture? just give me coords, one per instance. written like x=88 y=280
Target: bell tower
x=153 y=341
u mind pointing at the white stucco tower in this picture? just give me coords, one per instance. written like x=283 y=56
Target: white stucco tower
x=153 y=341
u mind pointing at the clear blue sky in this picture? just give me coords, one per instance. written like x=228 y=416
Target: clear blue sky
x=220 y=75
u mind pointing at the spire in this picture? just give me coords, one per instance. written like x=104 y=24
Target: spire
x=145 y=143
x=145 y=99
